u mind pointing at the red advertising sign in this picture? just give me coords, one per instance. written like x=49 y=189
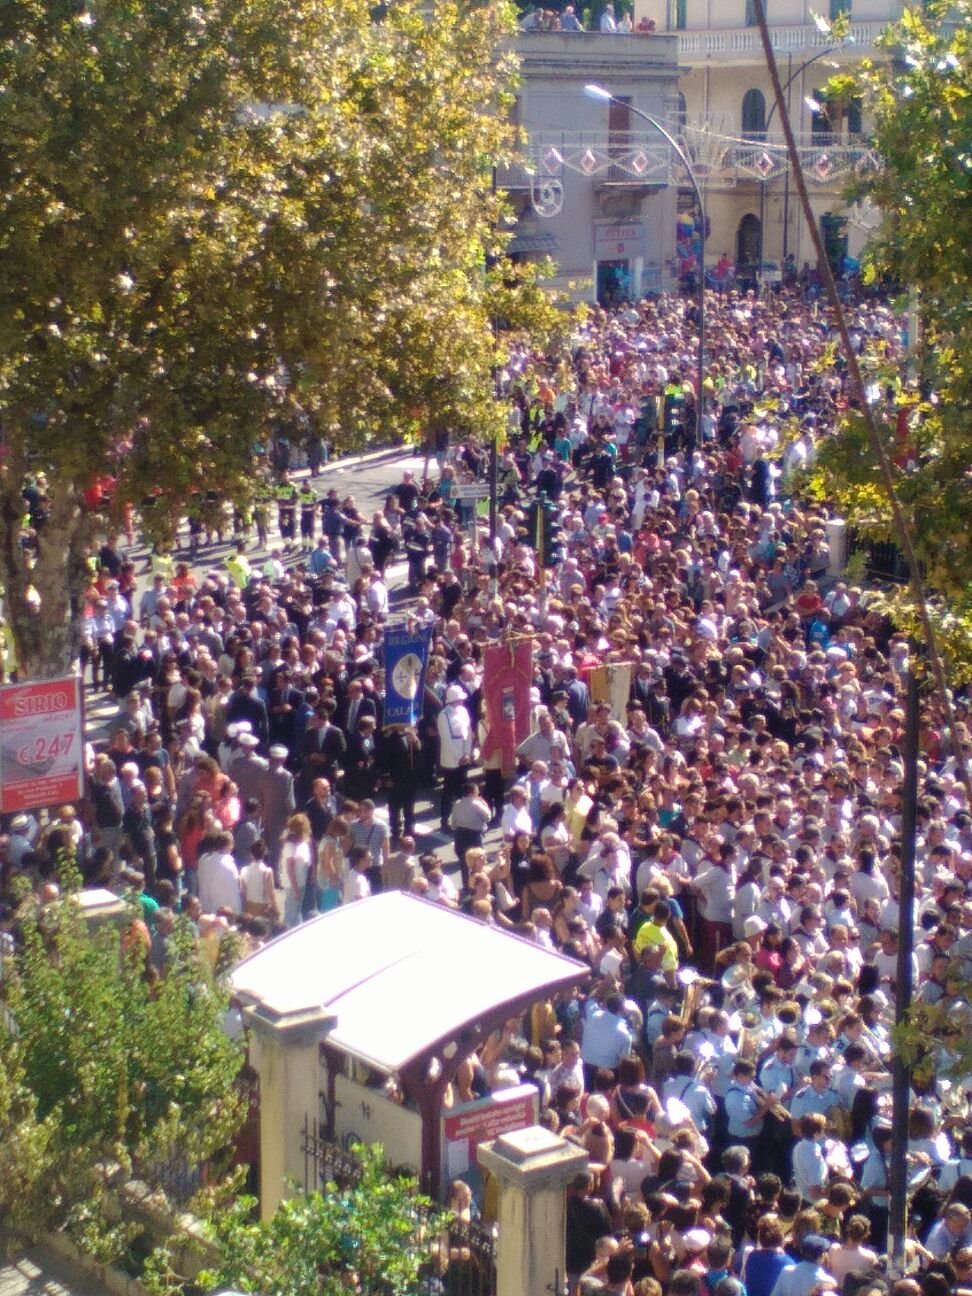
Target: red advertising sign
x=41 y=744
x=465 y=1127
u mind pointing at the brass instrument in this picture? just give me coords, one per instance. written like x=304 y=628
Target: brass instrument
x=692 y=998
x=776 y=1109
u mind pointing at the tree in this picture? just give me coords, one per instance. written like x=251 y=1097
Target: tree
x=218 y=216
x=102 y=1065
x=374 y=1237
x=920 y=102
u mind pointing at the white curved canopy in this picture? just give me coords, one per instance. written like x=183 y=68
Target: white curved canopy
x=400 y=975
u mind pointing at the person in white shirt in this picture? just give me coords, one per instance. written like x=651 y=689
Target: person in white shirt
x=590 y=905
x=456 y=748
x=256 y=883
x=356 y=885
x=295 y=864
x=442 y=889
x=516 y=814
x=809 y=1167
x=377 y=597
x=715 y=887
x=570 y=1070
x=957 y=1167
x=610 y=870
x=867 y=883
x=218 y=879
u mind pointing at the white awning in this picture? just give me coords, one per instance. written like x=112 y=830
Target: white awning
x=399 y=973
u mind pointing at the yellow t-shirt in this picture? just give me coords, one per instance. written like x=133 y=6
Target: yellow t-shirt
x=650 y=933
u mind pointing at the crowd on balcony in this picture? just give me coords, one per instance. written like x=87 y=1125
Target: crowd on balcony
x=567 y=20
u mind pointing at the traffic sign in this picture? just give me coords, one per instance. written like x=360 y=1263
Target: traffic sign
x=472 y=490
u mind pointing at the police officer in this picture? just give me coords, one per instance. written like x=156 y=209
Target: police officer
x=286 y=496
x=308 y=507
x=261 y=511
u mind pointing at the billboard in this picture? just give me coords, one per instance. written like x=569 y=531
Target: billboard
x=41 y=744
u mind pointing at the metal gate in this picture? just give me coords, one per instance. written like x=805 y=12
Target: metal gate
x=460 y=1255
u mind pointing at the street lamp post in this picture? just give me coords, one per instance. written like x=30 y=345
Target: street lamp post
x=791 y=76
x=605 y=96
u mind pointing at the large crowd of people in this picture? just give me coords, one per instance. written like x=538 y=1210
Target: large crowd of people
x=717 y=835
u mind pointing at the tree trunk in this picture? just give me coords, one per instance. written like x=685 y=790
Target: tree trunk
x=44 y=602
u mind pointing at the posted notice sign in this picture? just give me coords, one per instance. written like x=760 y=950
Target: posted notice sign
x=41 y=744
x=465 y=1127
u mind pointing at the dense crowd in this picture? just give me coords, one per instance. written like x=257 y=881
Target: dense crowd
x=718 y=839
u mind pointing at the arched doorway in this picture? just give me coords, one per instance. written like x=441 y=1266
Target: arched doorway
x=748 y=244
x=754 y=114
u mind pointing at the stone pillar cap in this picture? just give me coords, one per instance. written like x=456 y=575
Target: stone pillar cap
x=533 y=1156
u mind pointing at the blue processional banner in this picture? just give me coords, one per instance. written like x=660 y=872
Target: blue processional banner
x=406 y=655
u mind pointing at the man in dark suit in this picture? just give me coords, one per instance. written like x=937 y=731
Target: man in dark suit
x=361 y=767
x=358 y=703
x=246 y=704
x=324 y=746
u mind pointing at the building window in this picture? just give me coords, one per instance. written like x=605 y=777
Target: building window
x=681 y=114
x=751 y=18
x=749 y=244
x=753 y=114
x=838 y=7
x=820 y=127
x=677 y=14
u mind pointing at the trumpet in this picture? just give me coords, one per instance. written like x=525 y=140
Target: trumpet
x=776 y=1108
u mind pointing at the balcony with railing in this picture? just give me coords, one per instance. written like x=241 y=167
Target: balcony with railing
x=740 y=44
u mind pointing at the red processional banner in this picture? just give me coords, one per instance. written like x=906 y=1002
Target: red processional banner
x=507 y=676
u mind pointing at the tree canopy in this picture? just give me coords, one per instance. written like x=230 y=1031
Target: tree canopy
x=103 y=1065
x=216 y=214
x=376 y=1236
x=919 y=97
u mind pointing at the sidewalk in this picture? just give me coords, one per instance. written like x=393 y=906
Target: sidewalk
x=37 y=1274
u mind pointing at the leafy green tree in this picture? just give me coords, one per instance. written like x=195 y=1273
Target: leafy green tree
x=218 y=216
x=375 y=1238
x=103 y=1065
x=919 y=99
x=24 y=1141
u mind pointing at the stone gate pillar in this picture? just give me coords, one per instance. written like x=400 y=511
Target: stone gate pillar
x=533 y=1167
x=285 y=1053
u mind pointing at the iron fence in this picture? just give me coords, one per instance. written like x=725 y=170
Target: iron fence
x=459 y=1256
x=179 y=1175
